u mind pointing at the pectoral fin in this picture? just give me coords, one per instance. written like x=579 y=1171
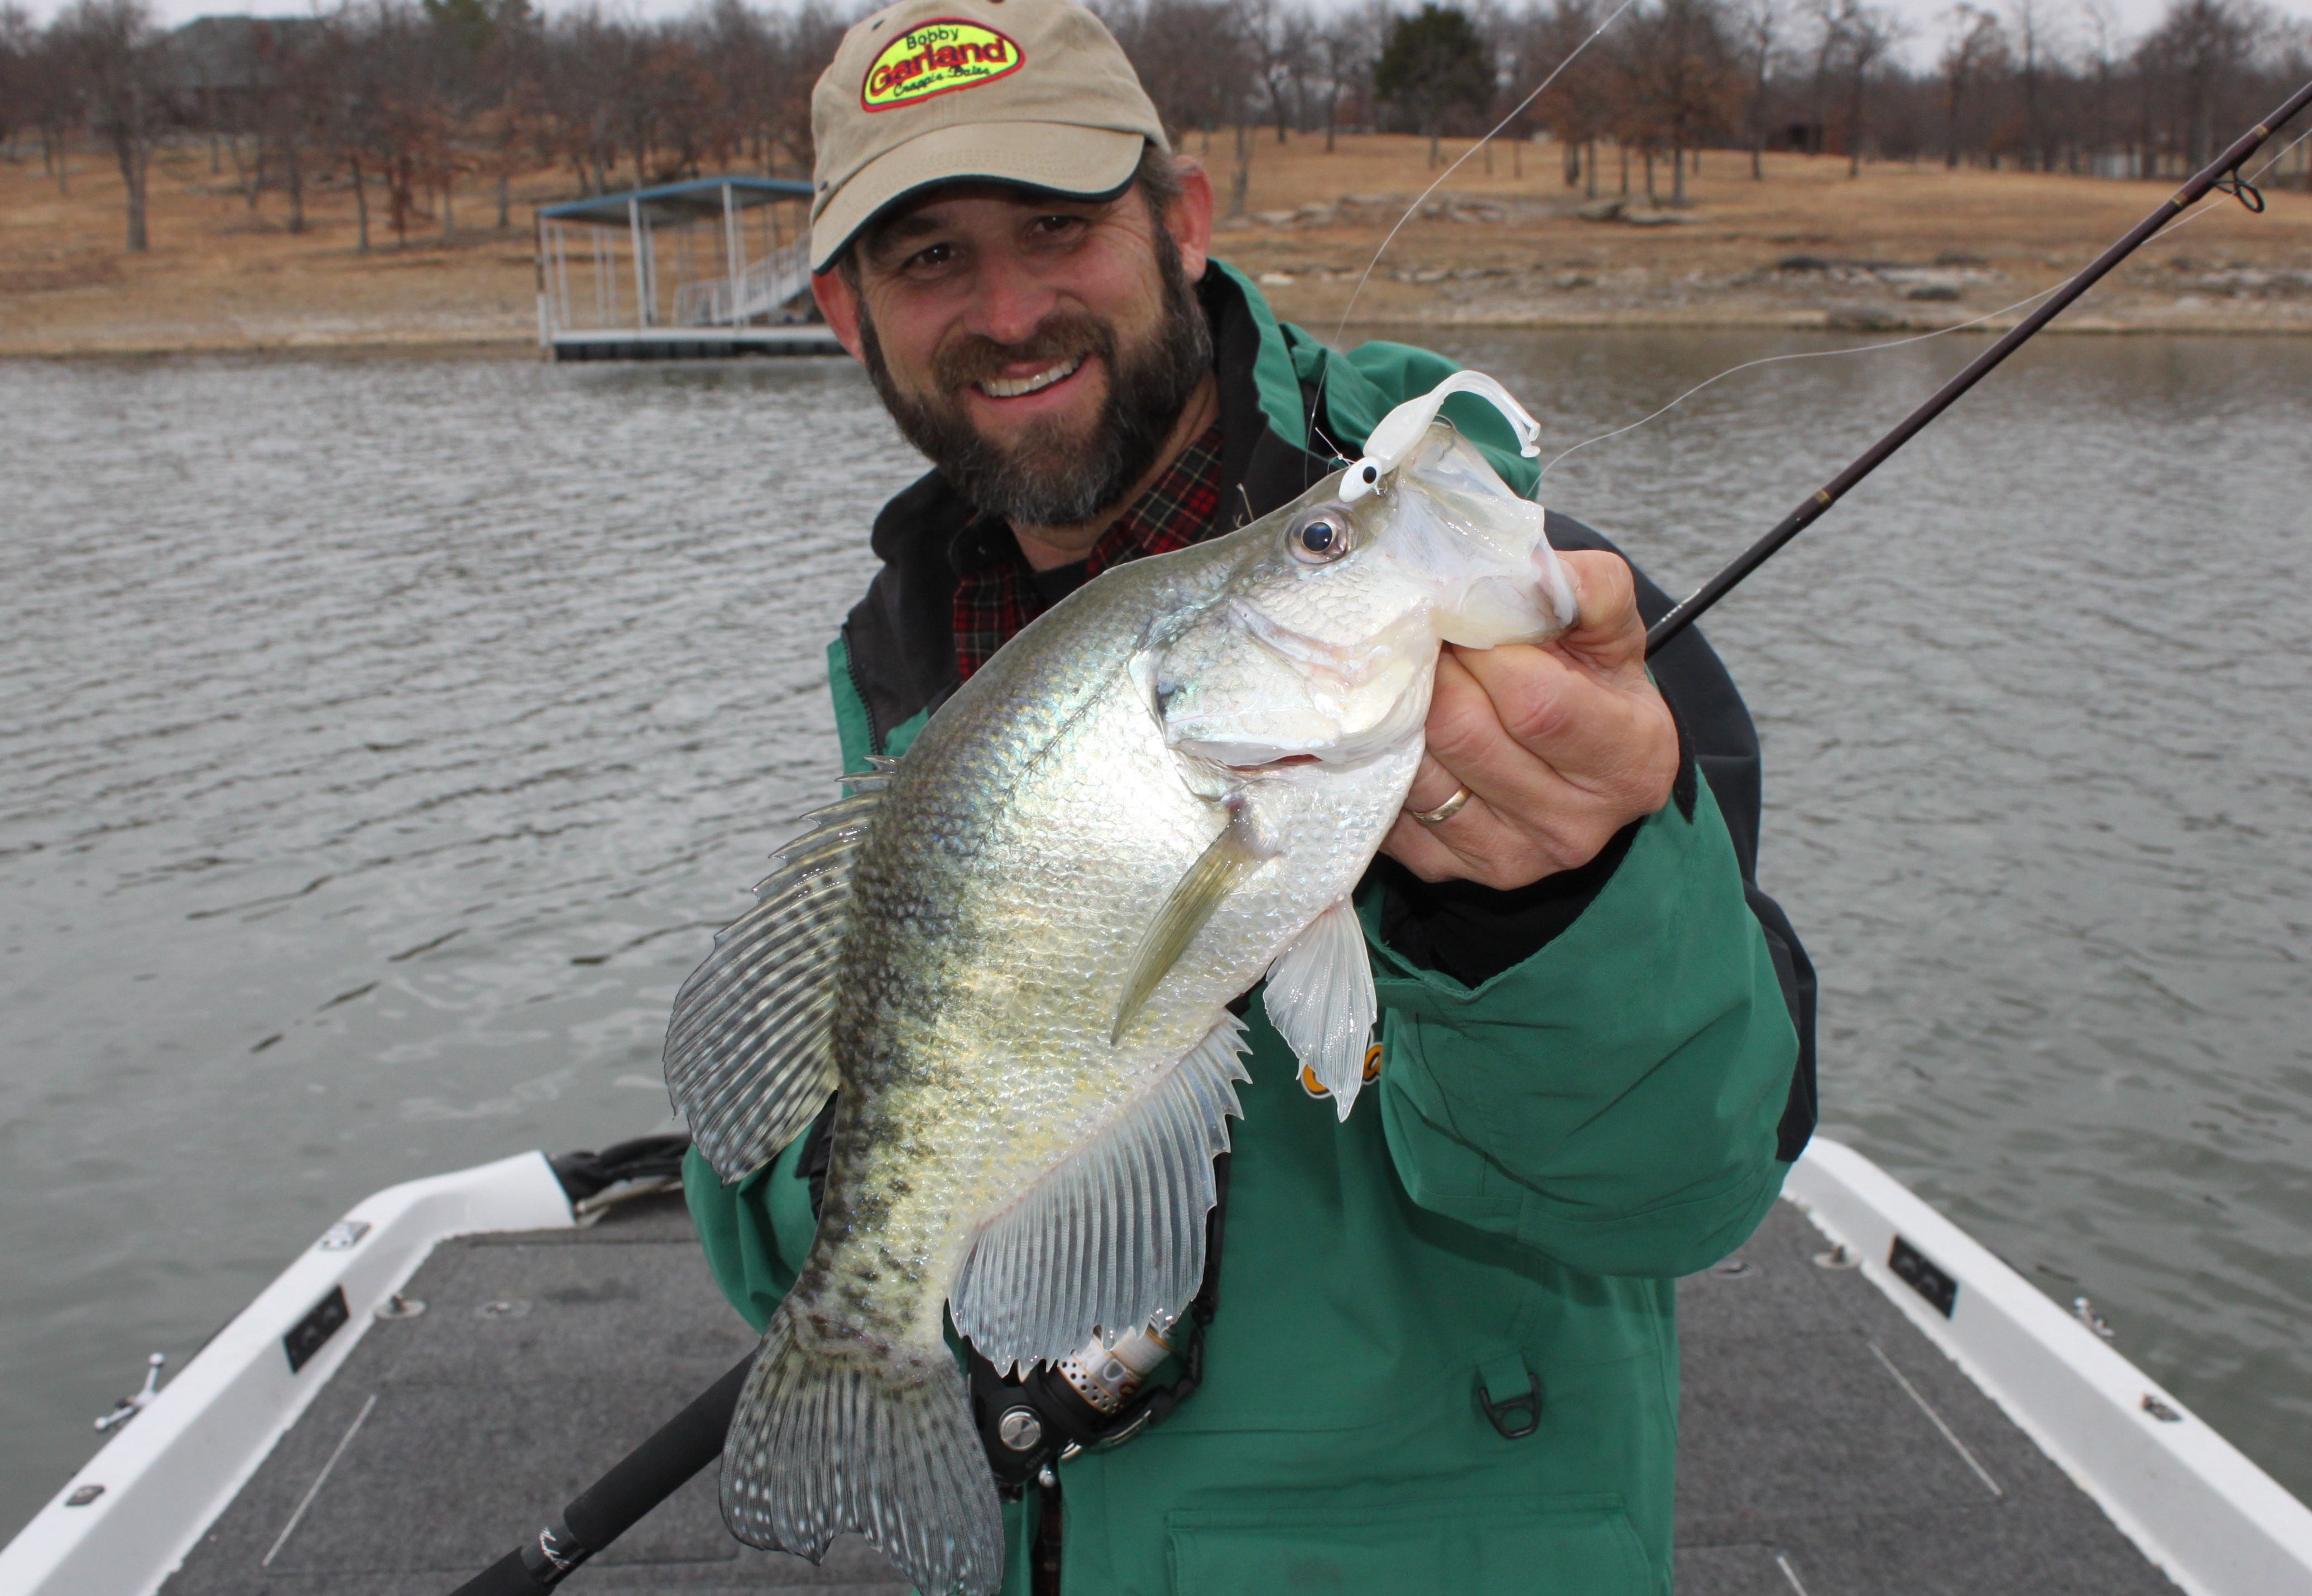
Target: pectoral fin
x=1320 y=999
x=1216 y=873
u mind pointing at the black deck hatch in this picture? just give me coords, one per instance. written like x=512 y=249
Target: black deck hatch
x=1921 y=1275
x=310 y=1334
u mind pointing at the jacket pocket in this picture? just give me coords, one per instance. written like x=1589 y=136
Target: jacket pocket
x=1563 y=1546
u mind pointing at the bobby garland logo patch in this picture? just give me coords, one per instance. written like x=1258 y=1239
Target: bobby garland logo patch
x=936 y=58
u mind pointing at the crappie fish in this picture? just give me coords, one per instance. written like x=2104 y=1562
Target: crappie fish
x=1014 y=950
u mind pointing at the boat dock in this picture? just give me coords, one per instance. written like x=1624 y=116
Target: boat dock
x=700 y=270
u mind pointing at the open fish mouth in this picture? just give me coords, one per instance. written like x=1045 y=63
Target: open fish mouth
x=1013 y=388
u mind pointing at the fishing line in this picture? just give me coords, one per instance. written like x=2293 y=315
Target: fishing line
x=2220 y=175
x=1804 y=355
x=1957 y=327
x=1515 y=112
x=1317 y=400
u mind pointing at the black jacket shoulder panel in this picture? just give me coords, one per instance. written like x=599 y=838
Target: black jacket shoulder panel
x=900 y=638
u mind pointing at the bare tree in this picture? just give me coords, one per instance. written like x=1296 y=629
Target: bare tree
x=1976 y=46
x=2028 y=27
x=1578 y=106
x=2197 y=56
x=1680 y=82
x=1348 y=54
x=1192 y=56
x=19 y=43
x=114 y=53
x=2103 y=19
x=1856 y=36
x=420 y=95
x=54 y=100
x=1757 y=25
x=1281 y=42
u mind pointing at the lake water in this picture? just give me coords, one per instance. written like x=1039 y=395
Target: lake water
x=381 y=740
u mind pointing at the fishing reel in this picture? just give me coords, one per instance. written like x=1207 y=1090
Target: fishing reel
x=1101 y=1395
x=1096 y=1398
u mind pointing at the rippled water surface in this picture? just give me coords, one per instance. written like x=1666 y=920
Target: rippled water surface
x=378 y=743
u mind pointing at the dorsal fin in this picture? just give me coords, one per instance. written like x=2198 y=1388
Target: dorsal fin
x=746 y=1058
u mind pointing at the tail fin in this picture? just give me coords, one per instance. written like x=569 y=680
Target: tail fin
x=834 y=1434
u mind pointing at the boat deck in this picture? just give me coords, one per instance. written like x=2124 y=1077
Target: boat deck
x=1828 y=1448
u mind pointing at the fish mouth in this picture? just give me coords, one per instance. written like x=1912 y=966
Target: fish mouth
x=1349 y=664
x=1015 y=387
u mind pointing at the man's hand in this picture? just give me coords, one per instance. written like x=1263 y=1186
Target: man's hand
x=1560 y=745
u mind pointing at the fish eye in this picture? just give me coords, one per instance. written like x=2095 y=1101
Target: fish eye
x=1320 y=537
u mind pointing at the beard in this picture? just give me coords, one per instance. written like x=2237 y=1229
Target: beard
x=1054 y=476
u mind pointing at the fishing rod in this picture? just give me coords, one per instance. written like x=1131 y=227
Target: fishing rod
x=2221 y=174
x=694 y=1438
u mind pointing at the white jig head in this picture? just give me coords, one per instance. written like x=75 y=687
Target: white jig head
x=1403 y=429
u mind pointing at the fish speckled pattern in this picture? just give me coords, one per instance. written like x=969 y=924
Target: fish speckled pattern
x=1016 y=948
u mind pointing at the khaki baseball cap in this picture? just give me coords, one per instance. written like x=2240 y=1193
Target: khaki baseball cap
x=1036 y=92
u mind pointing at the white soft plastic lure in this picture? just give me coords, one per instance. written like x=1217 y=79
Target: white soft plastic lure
x=1014 y=950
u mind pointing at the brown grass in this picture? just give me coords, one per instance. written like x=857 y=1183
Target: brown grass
x=1510 y=248
x=2001 y=236
x=221 y=276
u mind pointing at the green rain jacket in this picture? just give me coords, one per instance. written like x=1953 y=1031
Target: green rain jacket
x=1546 y=1147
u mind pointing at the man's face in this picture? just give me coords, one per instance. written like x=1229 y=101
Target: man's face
x=1037 y=350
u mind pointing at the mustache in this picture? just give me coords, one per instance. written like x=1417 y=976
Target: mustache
x=1064 y=336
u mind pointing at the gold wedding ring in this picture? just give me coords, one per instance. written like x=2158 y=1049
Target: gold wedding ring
x=1442 y=812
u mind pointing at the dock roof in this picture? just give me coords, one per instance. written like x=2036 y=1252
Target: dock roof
x=677 y=201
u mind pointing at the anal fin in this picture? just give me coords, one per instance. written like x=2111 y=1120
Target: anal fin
x=1114 y=1236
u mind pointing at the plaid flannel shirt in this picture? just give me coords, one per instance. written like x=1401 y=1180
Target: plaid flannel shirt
x=995 y=592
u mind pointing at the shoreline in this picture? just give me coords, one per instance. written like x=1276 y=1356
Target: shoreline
x=524 y=346
x=1900 y=250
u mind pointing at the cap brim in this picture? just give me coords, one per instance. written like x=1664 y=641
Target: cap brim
x=1054 y=157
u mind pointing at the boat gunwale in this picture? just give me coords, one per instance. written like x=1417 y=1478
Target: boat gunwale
x=166 y=1475
x=2192 y=1504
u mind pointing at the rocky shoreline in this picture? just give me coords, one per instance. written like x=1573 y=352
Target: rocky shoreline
x=1307 y=261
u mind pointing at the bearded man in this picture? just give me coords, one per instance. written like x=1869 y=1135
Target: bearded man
x=1436 y=1349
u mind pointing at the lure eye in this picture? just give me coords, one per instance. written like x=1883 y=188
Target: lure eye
x=1320 y=539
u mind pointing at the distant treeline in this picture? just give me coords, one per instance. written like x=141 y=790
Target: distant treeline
x=414 y=102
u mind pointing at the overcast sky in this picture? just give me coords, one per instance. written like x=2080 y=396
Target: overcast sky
x=1925 y=19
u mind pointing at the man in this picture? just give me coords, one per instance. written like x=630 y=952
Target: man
x=1439 y=1350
